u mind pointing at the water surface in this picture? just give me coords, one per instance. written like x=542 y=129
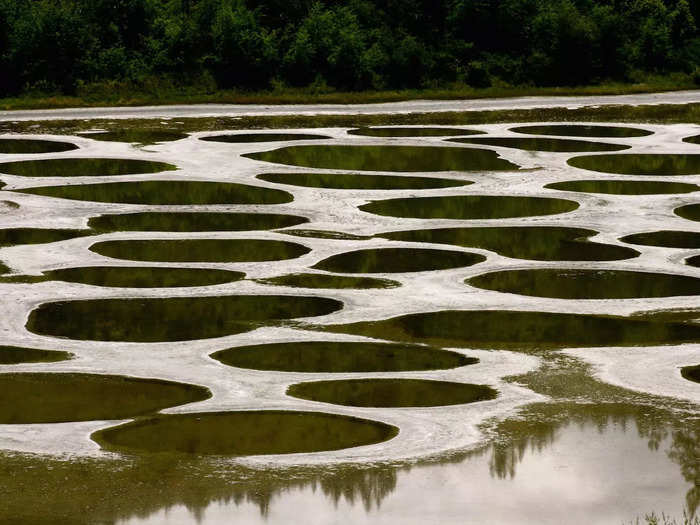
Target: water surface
x=691 y=373
x=387 y=158
x=388 y=392
x=83 y=167
x=582 y=130
x=17 y=236
x=695 y=139
x=665 y=238
x=521 y=330
x=347 y=181
x=327 y=281
x=469 y=207
x=193 y=221
x=143 y=277
x=412 y=132
x=540 y=243
x=689 y=211
x=542 y=144
x=12 y=355
x=341 y=357
x=141 y=137
x=22 y=146
x=624 y=187
x=244 y=433
x=398 y=260
x=166 y=192
x=56 y=397
x=263 y=137
x=656 y=164
x=587 y=284
x=170 y=318
x=200 y=250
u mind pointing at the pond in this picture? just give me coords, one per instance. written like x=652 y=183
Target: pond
x=655 y=164
x=23 y=146
x=540 y=243
x=193 y=221
x=341 y=357
x=328 y=281
x=387 y=158
x=398 y=260
x=469 y=207
x=412 y=132
x=583 y=130
x=83 y=167
x=165 y=319
x=624 y=187
x=141 y=137
x=587 y=284
x=346 y=181
x=542 y=144
x=143 y=277
x=262 y=137
x=244 y=433
x=166 y=192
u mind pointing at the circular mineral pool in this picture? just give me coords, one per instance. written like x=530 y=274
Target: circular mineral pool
x=412 y=132
x=163 y=319
x=344 y=181
x=587 y=284
x=336 y=357
x=200 y=250
x=665 y=238
x=583 y=130
x=166 y=192
x=391 y=392
x=144 y=277
x=387 y=158
x=624 y=187
x=262 y=137
x=193 y=221
x=655 y=164
x=52 y=397
x=469 y=207
x=244 y=433
x=12 y=355
x=398 y=260
x=22 y=146
x=542 y=144
x=83 y=167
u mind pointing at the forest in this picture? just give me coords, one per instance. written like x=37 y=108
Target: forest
x=63 y=46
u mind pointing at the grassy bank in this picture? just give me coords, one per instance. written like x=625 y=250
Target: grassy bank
x=124 y=94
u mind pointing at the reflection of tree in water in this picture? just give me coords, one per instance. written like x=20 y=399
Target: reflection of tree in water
x=107 y=491
x=537 y=428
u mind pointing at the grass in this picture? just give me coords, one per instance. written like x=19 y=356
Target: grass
x=654 y=519
x=127 y=94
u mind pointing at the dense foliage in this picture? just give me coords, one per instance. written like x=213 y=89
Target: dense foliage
x=64 y=45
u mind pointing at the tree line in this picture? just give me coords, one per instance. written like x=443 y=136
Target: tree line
x=61 y=45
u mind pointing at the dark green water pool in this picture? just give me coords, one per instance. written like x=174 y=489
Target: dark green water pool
x=413 y=132
x=326 y=234
x=342 y=181
x=540 y=243
x=656 y=164
x=144 y=277
x=624 y=187
x=387 y=158
x=327 y=281
x=166 y=192
x=193 y=221
x=200 y=250
x=17 y=236
x=542 y=144
x=665 y=238
x=587 y=284
x=583 y=130
x=171 y=318
x=263 y=137
x=83 y=167
x=142 y=137
x=12 y=355
x=691 y=373
x=689 y=211
x=22 y=146
x=391 y=392
x=695 y=139
x=244 y=433
x=58 y=397
x=341 y=357
x=469 y=207
x=398 y=260
x=523 y=330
